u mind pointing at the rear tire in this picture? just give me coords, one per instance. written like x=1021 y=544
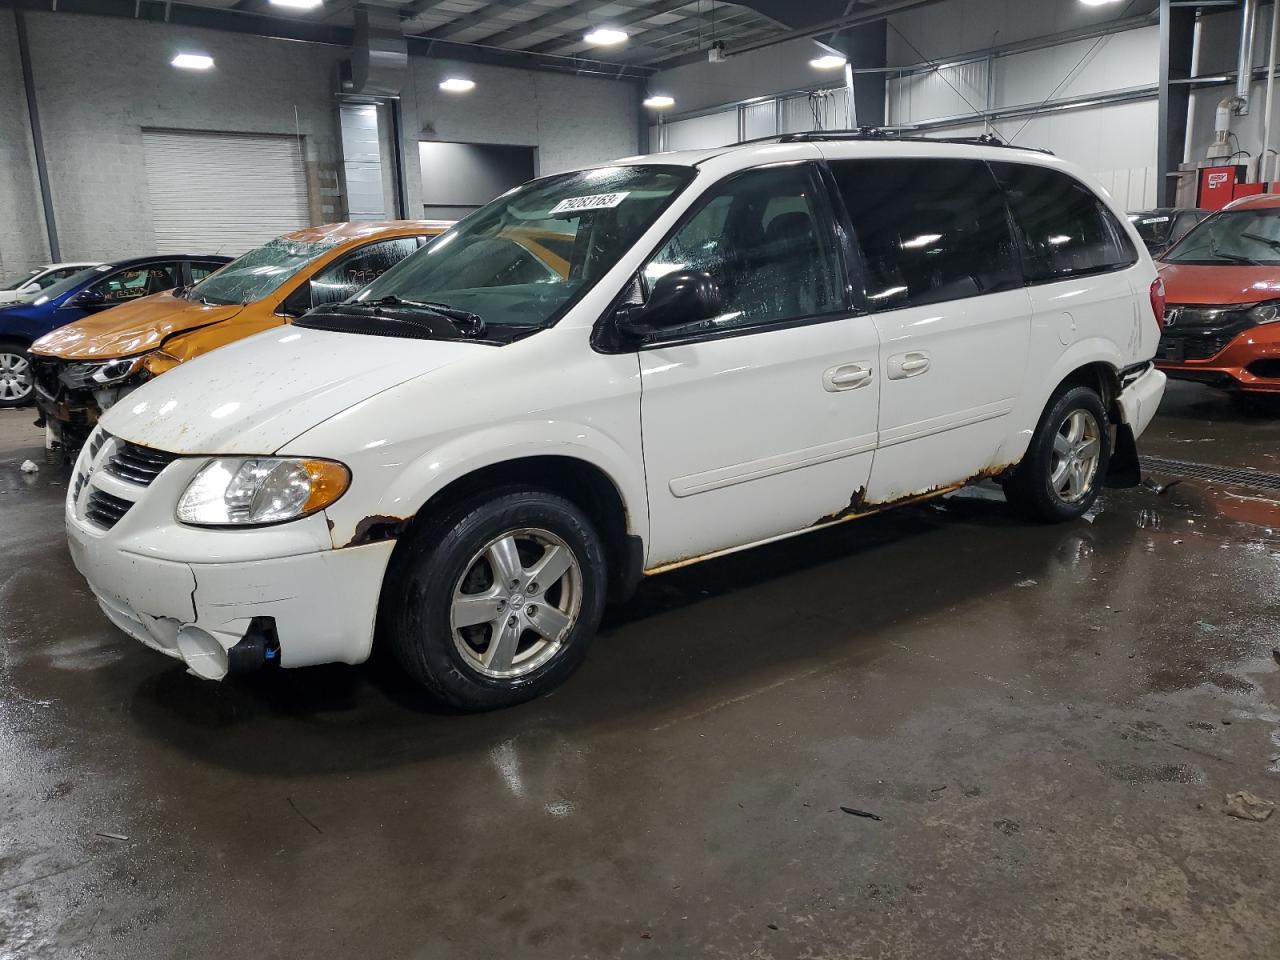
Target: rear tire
x=17 y=380
x=496 y=601
x=1067 y=460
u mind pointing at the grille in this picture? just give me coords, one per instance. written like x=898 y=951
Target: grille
x=1195 y=346
x=105 y=510
x=136 y=463
x=1265 y=368
x=1209 y=471
x=1199 y=332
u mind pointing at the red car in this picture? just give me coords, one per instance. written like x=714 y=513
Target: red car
x=1222 y=299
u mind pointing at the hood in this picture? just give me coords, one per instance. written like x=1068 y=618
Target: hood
x=1219 y=284
x=130 y=328
x=255 y=395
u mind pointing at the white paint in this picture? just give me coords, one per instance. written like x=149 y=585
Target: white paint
x=713 y=446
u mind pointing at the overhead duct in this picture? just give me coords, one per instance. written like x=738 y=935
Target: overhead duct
x=1238 y=104
x=379 y=57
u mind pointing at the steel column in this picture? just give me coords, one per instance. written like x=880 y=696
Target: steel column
x=1177 y=35
x=37 y=138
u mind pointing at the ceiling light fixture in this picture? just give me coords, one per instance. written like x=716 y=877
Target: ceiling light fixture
x=830 y=61
x=605 y=37
x=659 y=102
x=457 y=85
x=297 y=4
x=192 y=61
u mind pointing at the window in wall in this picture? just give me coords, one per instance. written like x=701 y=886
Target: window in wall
x=351 y=273
x=135 y=284
x=766 y=243
x=930 y=230
x=1066 y=230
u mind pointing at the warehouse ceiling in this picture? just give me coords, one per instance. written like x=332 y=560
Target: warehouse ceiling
x=658 y=29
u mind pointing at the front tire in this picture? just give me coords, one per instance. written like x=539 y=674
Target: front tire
x=17 y=380
x=496 y=601
x=1062 y=473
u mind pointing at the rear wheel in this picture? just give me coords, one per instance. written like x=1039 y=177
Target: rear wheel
x=496 y=602
x=1066 y=462
x=17 y=382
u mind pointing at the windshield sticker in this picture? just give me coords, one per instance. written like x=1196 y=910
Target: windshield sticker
x=599 y=201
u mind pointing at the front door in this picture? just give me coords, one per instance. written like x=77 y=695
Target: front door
x=945 y=289
x=763 y=421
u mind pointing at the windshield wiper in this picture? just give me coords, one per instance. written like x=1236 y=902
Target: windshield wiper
x=471 y=324
x=1273 y=244
x=1230 y=257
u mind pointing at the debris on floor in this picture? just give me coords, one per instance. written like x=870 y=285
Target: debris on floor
x=29 y=466
x=111 y=836
x=1243 y=805
x=861 y=813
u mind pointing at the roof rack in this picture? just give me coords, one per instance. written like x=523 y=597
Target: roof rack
x=880 y=133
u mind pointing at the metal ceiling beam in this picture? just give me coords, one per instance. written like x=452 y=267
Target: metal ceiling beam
x=425 y=46
x=467 y=21
x=552 y=18
x=640 y=15
x=725 y=29
x=799 y=15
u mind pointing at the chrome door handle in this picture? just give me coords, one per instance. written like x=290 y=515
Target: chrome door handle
x=908 y=365
x=847 y=376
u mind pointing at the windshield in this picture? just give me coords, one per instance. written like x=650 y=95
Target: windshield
x=259 y=272
x=1250 y=237
x=21 y=280
x=1153 y=228
x=55 y=290
x=525 y=258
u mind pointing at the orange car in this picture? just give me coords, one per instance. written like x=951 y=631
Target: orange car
x=1222 y=296
x=83 y=368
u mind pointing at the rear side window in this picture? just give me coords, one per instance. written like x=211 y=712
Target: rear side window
x=1066 y=230
x=356 y=270
x=930 y=230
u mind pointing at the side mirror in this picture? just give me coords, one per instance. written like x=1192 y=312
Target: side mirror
x=677 y=299
x=90 y=299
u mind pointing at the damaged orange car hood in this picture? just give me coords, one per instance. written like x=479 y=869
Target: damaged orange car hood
x=131 y=328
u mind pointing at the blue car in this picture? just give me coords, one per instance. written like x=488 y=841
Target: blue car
x=88 y=291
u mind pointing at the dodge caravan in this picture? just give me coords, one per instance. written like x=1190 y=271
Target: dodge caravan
x=473 y=454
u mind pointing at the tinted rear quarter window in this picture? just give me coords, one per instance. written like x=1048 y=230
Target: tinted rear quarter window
x=930 y=230
x=1066 y=230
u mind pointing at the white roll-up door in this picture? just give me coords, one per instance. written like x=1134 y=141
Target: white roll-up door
x=223 y=192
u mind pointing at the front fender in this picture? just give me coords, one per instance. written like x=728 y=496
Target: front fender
x=417 y=480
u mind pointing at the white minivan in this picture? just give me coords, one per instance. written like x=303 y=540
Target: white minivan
x=613 y=372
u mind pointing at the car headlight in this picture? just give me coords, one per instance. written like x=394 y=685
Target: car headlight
x=255 y=491
x=1266 y=312
x=113 y=371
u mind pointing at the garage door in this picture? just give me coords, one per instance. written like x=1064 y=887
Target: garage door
x=223 y=192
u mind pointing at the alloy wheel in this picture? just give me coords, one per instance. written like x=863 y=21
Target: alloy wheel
x=1077 y=449
x=16 y=382
x=515 y=603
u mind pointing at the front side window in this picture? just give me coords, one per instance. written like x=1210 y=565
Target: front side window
x=930 y=230
x=261 y=271
x=1251 y=237
x=525 y=258
x=347 y=275
x=1066 y=230
x=136 y=283
x=766 y=241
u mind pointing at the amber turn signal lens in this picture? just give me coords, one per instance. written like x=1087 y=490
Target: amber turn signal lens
x=329 y=481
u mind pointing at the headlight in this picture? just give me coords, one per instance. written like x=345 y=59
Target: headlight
x=1265 y=312
x=114 y=371
x=234 y=492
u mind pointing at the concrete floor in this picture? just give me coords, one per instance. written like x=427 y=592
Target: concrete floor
x=1046 y=719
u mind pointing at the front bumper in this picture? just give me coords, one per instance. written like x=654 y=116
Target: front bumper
x=1248 y=361
x=193 y=594
x=70 y=405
